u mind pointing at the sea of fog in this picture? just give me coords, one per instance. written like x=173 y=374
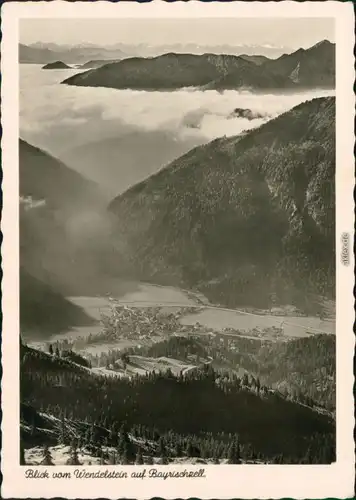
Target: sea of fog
x=59 y=117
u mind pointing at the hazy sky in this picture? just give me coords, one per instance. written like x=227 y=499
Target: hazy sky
x=281 y=32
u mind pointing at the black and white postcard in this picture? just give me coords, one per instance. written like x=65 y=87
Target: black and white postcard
x=177 y=250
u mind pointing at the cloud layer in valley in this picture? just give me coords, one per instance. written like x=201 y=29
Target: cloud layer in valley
x=59 y=117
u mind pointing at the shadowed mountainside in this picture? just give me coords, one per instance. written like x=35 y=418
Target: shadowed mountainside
x=173 y=71
x=314 y=67
x=43 y=177
x=303 y=69
x=64 y=239
x=248 y=220
x=44 y=311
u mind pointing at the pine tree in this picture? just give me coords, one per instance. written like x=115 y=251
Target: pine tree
x=162 y=451
x=63 y=435
x=87 y=437
x=234 y=453
x=161 y=447
x=307 y=459
x=50 y=349
x=189 y=449
x=204 y=451
x=139 y=458
x=73 y=459
x=124 y=456
x=124 y=447
x=112 y=458
x=113 y=435
x=258 y=384
x=57 y=351
x=178 y=449
x=47 y=457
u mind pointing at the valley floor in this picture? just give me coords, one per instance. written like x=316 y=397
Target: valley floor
x=212 y=317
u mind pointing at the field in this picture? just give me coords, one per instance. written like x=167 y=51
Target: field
x=141 y=365
x=293 y=326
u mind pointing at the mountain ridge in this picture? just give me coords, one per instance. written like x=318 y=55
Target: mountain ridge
x=64 y=234
x=172 y=71
x=179 y=225
x=56 y=65
x=48 y=53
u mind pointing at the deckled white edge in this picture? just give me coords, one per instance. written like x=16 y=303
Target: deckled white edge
x=222 y=481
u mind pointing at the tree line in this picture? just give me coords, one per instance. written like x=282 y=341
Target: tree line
x=199 y=403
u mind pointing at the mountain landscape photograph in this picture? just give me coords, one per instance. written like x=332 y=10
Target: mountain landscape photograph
x=177 y=241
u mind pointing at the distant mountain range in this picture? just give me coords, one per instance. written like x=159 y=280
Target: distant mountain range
x=143 y=50
x=303 y=69
x=268 y=51
x=44 y=54
x=243 y=218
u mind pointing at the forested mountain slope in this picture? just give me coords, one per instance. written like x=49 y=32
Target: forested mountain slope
x=195 y=408
x=243 y=219
x=43 y=177
x=173 y=71
x=311 y=68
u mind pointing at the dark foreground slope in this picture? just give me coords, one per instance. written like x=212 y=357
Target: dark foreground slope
x=303 y=69
x=164 y=411
x=247 y=219
x=44 y=310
